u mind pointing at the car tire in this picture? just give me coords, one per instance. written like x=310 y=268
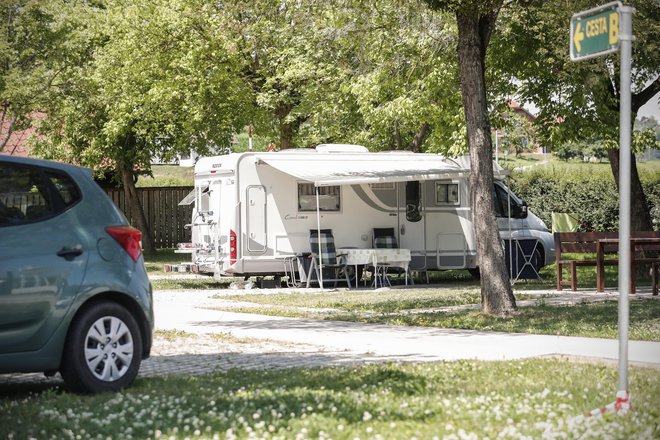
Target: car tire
x=103 y=349
x=475 y=273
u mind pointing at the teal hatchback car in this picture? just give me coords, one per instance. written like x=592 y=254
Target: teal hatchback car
x=74 y=292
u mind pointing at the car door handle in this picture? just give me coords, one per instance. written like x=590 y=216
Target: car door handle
x=70 y=252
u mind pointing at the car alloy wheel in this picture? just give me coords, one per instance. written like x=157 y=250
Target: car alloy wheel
x=109 y=348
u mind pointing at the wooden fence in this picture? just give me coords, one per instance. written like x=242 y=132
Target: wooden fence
x=165 y=217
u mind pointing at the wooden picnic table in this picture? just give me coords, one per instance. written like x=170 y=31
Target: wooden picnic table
x=637 y=244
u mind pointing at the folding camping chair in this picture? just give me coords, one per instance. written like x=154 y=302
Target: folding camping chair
x=323 y=246
x=520 y=257
x=385 y=238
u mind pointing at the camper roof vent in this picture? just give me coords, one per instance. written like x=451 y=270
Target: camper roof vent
x=341 y=148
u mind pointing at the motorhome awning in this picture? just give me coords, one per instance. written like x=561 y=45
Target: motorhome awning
x=358 y=169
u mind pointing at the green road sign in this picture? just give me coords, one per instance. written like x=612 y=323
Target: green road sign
x=595 y=32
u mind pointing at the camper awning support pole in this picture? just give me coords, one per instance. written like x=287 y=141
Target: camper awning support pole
x=318 y=237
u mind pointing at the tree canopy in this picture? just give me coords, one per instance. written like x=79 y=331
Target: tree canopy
x=578 y=100
x=121 y=82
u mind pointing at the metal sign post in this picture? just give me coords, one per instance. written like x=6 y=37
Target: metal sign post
x=595 y=32
x=626 y=37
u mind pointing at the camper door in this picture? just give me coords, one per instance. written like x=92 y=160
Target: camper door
x=412 y=222
x=256 y=219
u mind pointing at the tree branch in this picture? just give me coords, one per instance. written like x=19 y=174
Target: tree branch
x=7 y=136
x=420 y=137
x=641 y=98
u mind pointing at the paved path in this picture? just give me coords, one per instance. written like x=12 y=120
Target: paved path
x=219 y=340
x=372 y=342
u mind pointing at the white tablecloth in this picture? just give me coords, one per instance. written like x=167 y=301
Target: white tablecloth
x=391 y=257
x=383 y=257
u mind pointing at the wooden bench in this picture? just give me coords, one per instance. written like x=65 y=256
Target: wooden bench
x=642 y=242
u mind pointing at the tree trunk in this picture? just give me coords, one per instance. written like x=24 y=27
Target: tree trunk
x=286 y=136
x=473 y=34
x=287 y=129
x=640 y=215
x=137 y=212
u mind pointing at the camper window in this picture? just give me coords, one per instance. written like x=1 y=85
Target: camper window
x=329 y=197
x=446 y=193
x=203 y=200
x=413 y=201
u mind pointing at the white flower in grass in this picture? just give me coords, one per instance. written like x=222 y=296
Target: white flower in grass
x=340 y=427
x=366 y=416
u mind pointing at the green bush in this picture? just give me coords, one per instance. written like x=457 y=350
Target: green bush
x=589 y=192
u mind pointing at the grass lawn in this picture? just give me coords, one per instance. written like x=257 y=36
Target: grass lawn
x=450 y=400
x=590 y=320
x=155 y=264
x=528 y=159
x=168 y=175
x=584 y=319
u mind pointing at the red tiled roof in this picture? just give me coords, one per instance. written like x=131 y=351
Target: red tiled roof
x=17 y=143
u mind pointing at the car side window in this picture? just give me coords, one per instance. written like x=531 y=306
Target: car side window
x=27 y=195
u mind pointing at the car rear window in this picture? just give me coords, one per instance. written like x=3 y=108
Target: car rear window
x=30 y=194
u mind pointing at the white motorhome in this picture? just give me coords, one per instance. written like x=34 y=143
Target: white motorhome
x=253 y=210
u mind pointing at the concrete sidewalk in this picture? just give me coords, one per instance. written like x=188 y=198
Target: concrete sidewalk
x=186 y=311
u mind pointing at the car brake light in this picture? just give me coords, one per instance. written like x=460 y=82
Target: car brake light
x=128 y=238
x=232 y=247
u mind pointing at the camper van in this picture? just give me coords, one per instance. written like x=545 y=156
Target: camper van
x=254 y=210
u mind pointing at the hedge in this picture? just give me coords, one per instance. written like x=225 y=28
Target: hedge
x=589 y=193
